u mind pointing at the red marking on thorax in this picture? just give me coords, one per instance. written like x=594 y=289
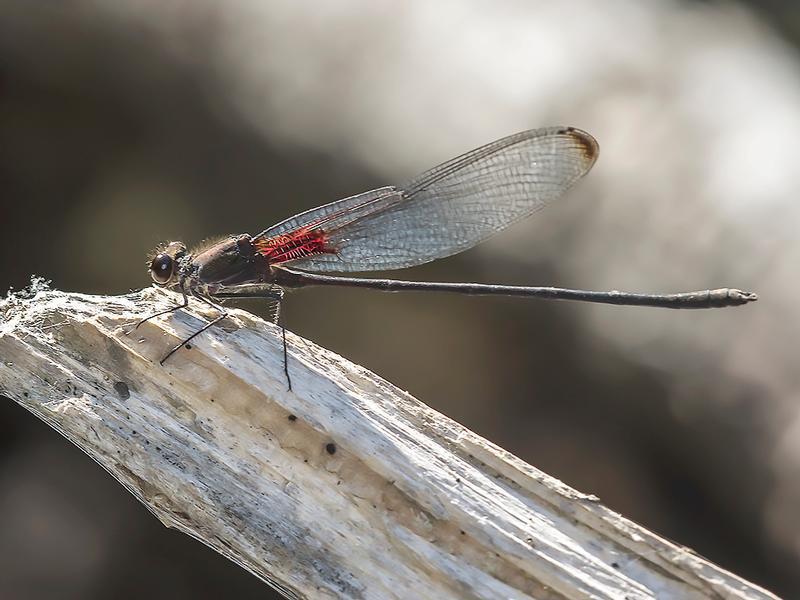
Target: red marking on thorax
x=291 y=246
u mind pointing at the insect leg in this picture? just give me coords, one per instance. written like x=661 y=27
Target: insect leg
x=222 y=314
x=278 y=297
x=271 y=292
x=162 y=312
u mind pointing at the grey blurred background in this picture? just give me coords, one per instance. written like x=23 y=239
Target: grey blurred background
x=124 y=124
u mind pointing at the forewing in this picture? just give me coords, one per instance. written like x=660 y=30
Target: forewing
x=448 y=209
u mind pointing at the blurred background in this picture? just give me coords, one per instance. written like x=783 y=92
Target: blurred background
x=125 y=124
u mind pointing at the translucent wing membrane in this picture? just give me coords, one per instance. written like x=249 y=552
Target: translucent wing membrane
x=442 y=212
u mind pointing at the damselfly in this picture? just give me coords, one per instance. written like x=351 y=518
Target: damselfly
x=442 y=212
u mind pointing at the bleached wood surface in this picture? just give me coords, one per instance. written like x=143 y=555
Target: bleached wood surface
x=345 y=487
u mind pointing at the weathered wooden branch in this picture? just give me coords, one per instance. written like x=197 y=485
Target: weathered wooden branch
x=343 y=487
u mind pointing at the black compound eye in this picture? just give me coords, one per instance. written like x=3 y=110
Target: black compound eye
x=161 y=268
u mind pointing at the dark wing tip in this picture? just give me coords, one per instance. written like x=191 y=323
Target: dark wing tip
x=587 y=145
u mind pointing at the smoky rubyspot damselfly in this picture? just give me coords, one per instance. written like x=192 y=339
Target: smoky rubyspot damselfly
x=442 y=212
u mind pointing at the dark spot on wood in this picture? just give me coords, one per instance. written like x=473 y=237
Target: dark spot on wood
x=187 y=346
x=134 y=432
x=292 y=418
x=25 y=394
x=122 y=390
x=463 y=532
x=458 y=479
x=330 y=448
x=212 y=400
x=615 y=565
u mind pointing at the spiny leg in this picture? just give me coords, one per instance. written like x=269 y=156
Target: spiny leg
x=272 y=292
x=286 y=358
x=214 y=321
x=278 y=297
x=162 y=312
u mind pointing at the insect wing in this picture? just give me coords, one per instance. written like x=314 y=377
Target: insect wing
x=442 y=212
